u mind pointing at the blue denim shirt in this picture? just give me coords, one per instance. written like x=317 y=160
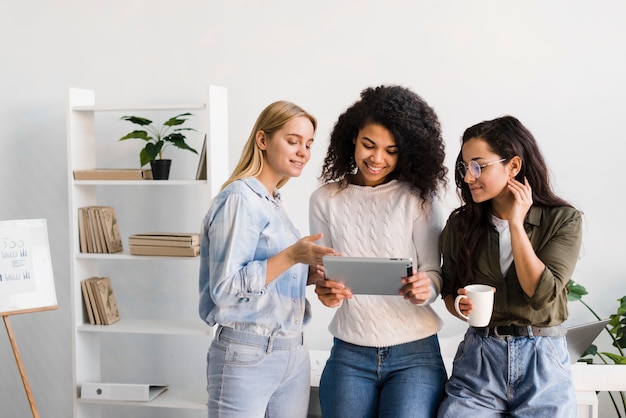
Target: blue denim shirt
x=243 y=228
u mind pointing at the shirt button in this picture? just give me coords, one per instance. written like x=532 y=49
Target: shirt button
x=295 y=301
x=298 y=321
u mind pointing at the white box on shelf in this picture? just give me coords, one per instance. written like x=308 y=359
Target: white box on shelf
x=121 y=391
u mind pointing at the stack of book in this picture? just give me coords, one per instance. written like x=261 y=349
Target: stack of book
x=165 y=243
x=98 y=231
x=100 y=301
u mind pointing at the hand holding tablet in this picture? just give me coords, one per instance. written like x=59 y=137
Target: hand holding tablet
x=369 y=275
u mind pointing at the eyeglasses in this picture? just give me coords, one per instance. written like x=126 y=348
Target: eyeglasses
x=474 y=168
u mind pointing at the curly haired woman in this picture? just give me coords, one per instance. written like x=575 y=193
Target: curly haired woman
x=382 y=173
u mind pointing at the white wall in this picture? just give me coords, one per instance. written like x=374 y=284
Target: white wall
x=558 y=66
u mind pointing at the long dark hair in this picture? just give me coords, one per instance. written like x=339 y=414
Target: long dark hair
x=507 y=137
x=414 y=126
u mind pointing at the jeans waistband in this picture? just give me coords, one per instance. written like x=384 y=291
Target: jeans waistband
x=521 y=331
x=268 y=343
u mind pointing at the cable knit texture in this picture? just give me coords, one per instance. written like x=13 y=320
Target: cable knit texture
x=388 y=220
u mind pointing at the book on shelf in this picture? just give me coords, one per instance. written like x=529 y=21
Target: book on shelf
x=96 y=226
x=165 y=239
x=191 y=251
x=85 y=231
x=100 y=301
x=92 y=301
x=111 y=230
x=84 y=286
x=82 y=237
x=113 y=174
x=98 y=230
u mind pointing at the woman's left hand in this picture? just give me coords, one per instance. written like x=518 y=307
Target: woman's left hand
x=523 y=195
x=416 y=288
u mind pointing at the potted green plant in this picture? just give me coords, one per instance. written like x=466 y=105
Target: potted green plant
x=158 y=138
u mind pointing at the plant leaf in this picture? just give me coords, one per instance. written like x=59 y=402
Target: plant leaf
x=617 y=359
x=591 y=351
x=177 y=120
x=137 y=120
x=136 y=135
x=576 y=291
x=178 y=140
x=150 y=152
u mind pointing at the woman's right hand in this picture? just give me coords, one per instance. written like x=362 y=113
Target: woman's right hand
x=465 y=304
x=305 y=250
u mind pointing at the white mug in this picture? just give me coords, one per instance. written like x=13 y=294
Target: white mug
x=481 y=296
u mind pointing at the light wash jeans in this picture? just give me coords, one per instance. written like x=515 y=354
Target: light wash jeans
x=510 y=377
x=400 y=381
x=250 y=376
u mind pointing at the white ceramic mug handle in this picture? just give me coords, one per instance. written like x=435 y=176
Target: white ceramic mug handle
x=456 y=306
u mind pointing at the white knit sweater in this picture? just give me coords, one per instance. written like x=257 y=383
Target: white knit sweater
x=388 y=220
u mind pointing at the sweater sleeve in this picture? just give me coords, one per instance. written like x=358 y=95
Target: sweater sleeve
x=426 y=234
x=318 y=216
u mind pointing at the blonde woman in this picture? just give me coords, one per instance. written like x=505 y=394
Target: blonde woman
x=253 y=274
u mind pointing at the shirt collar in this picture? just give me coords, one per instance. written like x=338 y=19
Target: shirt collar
x=534 y=215
x=257 y=187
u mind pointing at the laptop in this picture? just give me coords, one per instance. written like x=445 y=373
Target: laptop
x=580 y=337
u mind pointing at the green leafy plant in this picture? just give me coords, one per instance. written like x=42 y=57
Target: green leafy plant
x=158 y=138
x=616 y=328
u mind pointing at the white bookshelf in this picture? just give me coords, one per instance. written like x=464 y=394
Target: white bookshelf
x=160 y=338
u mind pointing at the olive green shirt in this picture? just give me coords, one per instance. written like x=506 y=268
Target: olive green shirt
x=555 y=234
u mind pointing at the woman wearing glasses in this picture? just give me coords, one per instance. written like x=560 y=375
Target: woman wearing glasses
x=513 y=233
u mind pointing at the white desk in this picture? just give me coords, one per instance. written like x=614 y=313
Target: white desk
x=587 y=380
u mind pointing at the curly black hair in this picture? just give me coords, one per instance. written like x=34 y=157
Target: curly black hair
x=415 y=129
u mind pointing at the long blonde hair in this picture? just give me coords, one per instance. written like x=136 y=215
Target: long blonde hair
x=271 y=119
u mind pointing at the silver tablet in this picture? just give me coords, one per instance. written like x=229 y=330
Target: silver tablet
x=369 y=275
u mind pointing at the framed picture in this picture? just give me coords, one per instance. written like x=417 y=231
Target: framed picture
x=201 y=170
x=26 y=279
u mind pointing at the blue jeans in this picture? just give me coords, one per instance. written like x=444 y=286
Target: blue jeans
x=510 y=376
x=400 y=381
x=250 y=376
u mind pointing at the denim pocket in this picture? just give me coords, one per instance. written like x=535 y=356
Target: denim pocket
x=556 y=350
x=243 y=355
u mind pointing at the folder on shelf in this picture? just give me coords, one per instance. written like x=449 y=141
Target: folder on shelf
x=121 y=391
x=113 y=174
x=192 y=251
